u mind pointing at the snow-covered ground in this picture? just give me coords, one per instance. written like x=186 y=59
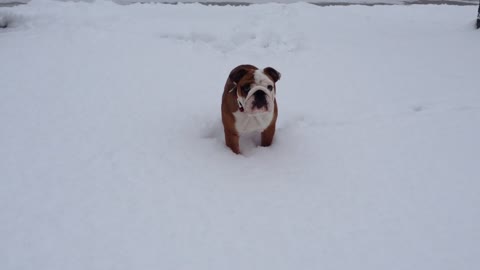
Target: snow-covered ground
x=112 y=153
x=320 y=2
x=244 y=2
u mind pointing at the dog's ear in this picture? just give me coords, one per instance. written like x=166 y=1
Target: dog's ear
x=275 y=75
x=237 y=73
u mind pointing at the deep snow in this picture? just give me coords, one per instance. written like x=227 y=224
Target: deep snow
x=112 y=153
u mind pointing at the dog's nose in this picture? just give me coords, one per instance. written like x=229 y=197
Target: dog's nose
x=259 y=94
x=260 y=99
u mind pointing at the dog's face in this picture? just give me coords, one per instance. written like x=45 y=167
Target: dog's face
x=255 y=88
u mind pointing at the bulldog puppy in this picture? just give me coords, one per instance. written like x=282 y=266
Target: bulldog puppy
x=249 y=105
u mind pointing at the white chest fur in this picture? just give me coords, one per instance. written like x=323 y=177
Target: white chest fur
x=246 y=123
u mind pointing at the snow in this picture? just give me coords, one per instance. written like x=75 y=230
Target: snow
x=14 y=1
x=245 y=2
x=112 y=153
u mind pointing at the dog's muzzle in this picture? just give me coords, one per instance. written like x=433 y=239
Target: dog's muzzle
x=258 y=100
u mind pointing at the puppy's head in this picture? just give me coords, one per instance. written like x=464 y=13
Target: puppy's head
x=255 y=88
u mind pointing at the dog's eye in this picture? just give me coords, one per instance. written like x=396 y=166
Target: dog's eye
x=246 y=88
x=270 y=87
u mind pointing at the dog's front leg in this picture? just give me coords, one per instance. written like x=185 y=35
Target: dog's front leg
x=232 y=141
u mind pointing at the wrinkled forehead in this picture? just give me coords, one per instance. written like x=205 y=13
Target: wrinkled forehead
x=257 y=77
x=261 y=78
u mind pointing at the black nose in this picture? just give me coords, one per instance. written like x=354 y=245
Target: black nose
x=259 y=94
x=260 y=99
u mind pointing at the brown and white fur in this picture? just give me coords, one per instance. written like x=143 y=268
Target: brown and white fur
x=249 y=104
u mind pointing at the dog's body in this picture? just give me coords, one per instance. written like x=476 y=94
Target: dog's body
x=249 y=104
